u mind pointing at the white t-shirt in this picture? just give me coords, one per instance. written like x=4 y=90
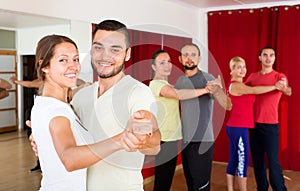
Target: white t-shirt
x=55 y=176
x=106 y=116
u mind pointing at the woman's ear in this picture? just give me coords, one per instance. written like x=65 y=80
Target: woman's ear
x=45 y=70
x=153 y=67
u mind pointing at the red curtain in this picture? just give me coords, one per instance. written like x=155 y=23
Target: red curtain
x=143 y=44
x=243 y=33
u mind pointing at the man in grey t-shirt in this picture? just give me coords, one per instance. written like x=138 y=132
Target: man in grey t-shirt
x=196 y=116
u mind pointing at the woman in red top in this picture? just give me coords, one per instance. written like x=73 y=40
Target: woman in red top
x=240 y=119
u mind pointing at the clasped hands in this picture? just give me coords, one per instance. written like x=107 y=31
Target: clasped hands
x=214 y=85
x=138 y=129
x=281 y=85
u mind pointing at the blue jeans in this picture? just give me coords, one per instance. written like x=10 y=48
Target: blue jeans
x=264 y=140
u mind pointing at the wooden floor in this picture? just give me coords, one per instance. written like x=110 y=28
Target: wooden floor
x=17 y=158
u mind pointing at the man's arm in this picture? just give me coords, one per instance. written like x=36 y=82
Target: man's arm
x=3 y=93
x=37 y=83
x=221 y=97
x=5 y=84
x=215 y=87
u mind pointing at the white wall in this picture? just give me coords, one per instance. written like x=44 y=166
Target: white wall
x=133 y=13
x=161 y=16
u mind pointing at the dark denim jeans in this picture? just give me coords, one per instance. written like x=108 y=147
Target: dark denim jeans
x=264 y=140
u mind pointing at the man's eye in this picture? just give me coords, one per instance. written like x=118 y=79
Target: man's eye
x=115 y=50
x=98 y=47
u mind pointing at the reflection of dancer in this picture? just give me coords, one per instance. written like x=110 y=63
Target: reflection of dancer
x=4 y=86
x=35 y=84
x=168 y=118
x=38 y=83
x=240 y=119
x=264 y=138
x=196 y=116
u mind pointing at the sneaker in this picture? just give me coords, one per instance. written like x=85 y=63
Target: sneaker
x=37 y=168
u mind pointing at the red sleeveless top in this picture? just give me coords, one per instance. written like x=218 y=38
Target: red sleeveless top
x=241 y=114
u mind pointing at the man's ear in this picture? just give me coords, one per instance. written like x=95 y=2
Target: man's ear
x=128 y=53
x=199 y=60
x=179 y=58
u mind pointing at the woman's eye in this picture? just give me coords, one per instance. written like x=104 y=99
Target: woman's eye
x=63 y=60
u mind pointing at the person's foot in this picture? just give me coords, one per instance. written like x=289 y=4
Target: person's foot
x=37 y=168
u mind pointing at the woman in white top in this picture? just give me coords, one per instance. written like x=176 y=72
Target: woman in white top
x=64 y=145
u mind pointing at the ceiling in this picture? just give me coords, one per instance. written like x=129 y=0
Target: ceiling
x=14 y=20
x=220 y=3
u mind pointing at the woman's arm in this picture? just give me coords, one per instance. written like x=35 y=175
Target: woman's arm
x=239 y=88
x=182 y=94
x=76 y=157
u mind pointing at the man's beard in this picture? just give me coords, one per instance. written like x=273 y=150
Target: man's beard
x=113 y=73
x=190 y=67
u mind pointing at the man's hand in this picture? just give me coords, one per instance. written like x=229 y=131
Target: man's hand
x=13 y=79
x=282 y=85
x=31 y=139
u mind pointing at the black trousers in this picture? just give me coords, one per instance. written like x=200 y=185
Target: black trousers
x=197 y=164
x=165 y=165
x=264 y=141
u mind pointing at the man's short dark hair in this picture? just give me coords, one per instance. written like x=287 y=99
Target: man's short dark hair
x=190 y=44
x=265 y=48
x=113 y=25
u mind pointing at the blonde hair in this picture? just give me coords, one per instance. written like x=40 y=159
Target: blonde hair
x=235 y=60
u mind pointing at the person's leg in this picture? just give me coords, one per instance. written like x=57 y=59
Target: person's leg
x=230 y=182
x=232 y=162
x=37 y=167
x=165 y=164
x=200 y=165
x=257 y=136
x=243 y=158
x=185 y=154
x=242 y=182
x=272 y=145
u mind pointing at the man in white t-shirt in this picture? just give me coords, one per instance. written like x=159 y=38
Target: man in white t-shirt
x=106 y=106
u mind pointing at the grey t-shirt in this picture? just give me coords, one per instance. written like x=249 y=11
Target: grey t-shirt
x=196 y=113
